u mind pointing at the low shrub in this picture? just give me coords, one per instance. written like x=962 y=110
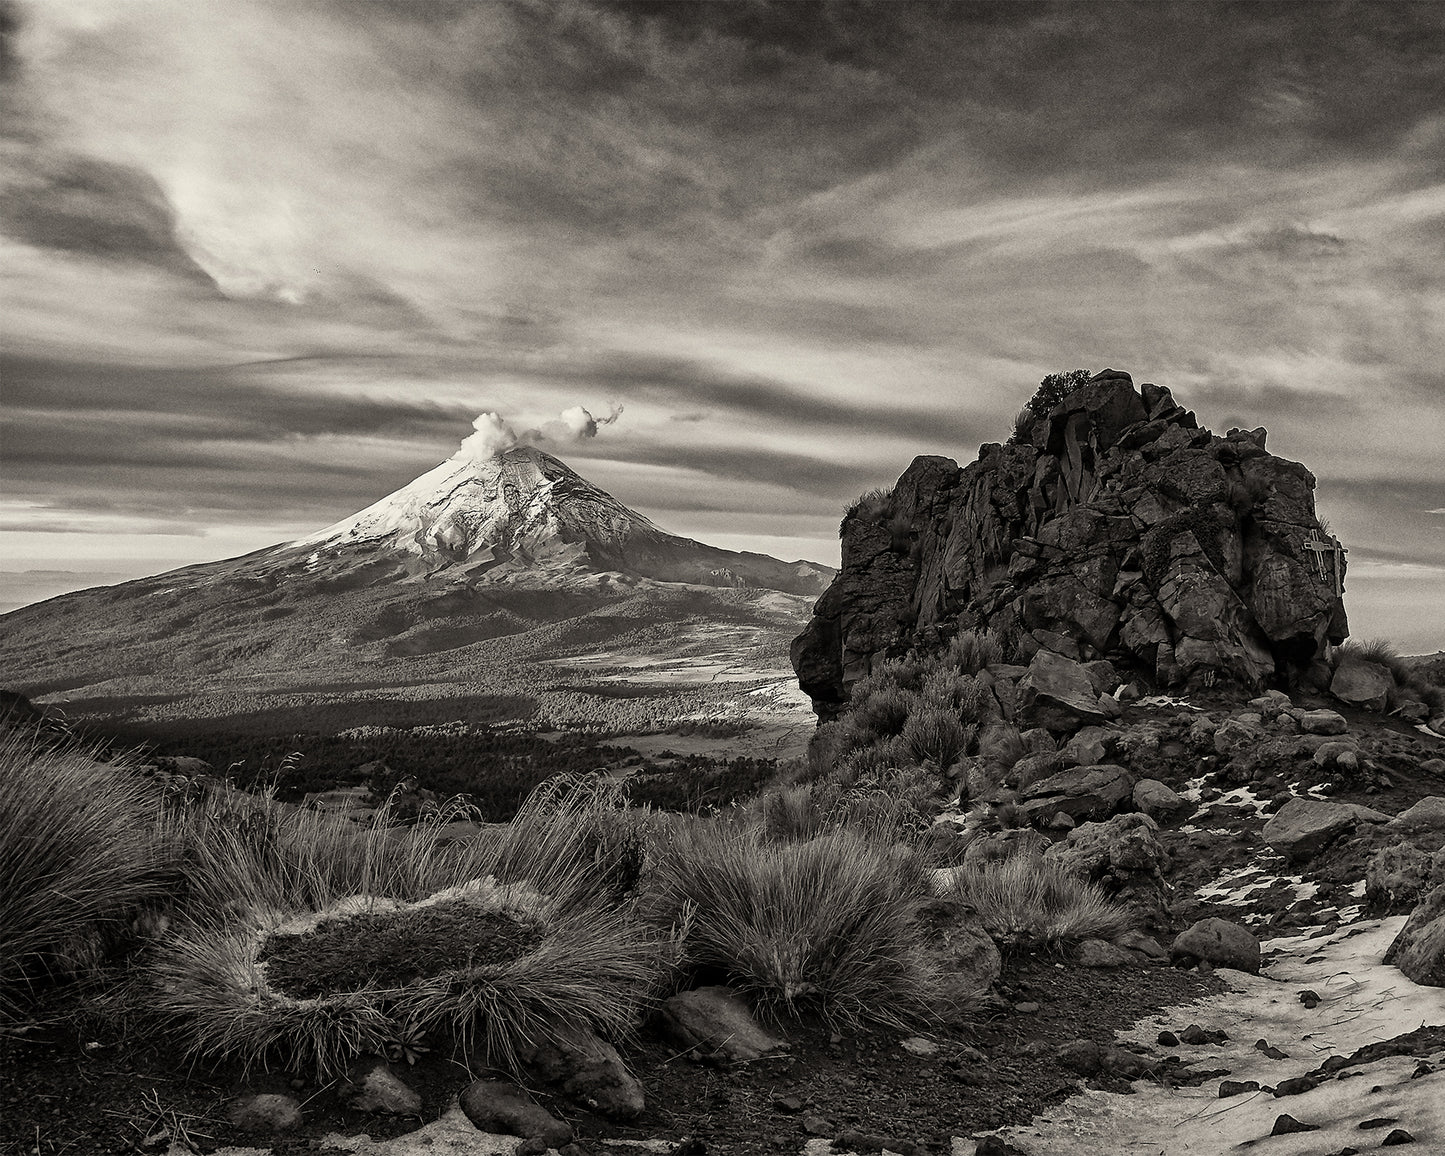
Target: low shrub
x=970 y=651
x=79 y=860
x=832 y=921
x=1025 y=902
x=936 y=735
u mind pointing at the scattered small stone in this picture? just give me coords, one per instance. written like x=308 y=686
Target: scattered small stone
x=1102 y=953
x=1310 y=999
x=501 y=1106
x=1229 y=1088
x=1027 y=1008
x=817 y=1126
x=918 y=1046
x=787 y=1104
x=1194 y=1034
x=1269 y=1050
x=1286 y=1124
x=266 y=1112
x=1379 y=1122
x=994 y=1146
x=1398 y=1136
x=1168 y=1040
x=1297 y=1086
x=381 y=1091
x=1423 y=1068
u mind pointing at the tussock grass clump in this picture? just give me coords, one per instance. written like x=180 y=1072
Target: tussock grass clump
x=79 y=859
x=1411 y=682
x=970 y=651
x=831 y=922
x=1024 y=902
x=936 y=735
x=894 y=806
x=308 y=940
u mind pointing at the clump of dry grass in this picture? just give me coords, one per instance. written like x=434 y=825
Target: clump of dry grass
x=831 y=921
x=79 y=859
x=1025 y=902
x=263 y=874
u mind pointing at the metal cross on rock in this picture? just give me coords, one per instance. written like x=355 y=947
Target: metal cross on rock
x=1331 y=546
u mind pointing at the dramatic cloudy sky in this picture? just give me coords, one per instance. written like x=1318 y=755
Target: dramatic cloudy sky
x=265 y=261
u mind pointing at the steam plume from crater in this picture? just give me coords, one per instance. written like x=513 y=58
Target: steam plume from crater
x=494 y=435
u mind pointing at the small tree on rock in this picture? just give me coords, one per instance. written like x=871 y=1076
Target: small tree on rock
x=1052 y=390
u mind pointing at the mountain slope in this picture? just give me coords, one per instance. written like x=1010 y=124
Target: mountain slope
x=483 y=575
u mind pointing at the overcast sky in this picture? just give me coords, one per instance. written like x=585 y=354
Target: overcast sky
x=264 y=261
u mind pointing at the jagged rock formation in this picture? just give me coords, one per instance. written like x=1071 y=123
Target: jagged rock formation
x=1115 y=527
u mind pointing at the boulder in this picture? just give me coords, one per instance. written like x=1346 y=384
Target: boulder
x=1419 y=949
x=1088 y=747
x=588 y=1069
x=713 y=1023
x=1426 y=815
x=1220 y=942
x=1125 y=858
x=1032 y=768
x=1160 y=802
x=501 y=1107
x=1363 y=684
x=1057 y=694
x=1236 y=734
x=1322 y=722
x=1399 y=874
x=970 y=959
x=1081 y=793
x=1302 y=827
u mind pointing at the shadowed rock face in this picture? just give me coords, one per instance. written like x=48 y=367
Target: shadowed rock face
x=1117 y=524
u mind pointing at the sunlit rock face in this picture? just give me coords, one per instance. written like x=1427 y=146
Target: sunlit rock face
x=1115 y=526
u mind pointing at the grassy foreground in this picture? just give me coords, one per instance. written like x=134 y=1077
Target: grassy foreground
x=249 y=930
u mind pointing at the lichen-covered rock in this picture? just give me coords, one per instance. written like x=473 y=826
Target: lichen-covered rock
x=1124 y=856
x=1000 y=846
x=1419 y=949
x=1322 y=722
x=382 y=1091
x=1220 y=942
x=1116 y=527
x=588 y=1069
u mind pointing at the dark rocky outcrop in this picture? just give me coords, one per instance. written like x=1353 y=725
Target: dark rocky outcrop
x=1419 y=949
x=1116 y=527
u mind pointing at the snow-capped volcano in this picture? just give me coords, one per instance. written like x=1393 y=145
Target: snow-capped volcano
x=521 y=504
x=525 y=510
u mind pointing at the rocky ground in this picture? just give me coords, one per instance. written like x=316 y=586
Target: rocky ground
x=1274 y=845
